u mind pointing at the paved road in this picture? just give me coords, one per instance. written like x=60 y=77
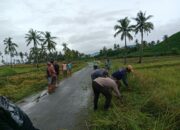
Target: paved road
x=67 y=108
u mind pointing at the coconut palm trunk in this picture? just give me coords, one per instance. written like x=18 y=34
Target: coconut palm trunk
x=37 y=60
x=141 y=49
x=124 y=28
x=11 y=60
x=125 y=55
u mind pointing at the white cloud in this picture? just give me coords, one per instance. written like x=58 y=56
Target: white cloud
x=87 y=25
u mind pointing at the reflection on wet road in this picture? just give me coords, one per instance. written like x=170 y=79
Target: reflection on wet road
x=64 y=109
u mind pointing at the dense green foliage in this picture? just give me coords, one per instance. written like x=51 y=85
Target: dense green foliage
x=152 y=104
x=170 y=46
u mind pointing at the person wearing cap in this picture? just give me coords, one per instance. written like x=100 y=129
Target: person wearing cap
x=99 y=73
x=121 y=74
x=104 y=86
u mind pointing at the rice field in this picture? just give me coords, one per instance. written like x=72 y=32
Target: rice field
x=152 y=104
x=24 y=80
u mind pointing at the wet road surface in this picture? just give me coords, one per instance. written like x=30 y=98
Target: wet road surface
x=67 y=108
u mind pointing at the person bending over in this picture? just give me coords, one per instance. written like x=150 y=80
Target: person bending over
x=99 y=73
x=121 y=74
x=104 y=86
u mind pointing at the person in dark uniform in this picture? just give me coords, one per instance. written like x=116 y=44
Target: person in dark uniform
x=99 y=73
x=121 y=74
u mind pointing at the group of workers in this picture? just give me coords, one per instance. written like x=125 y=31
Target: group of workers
x=53 y=74
x=104 y=84
x=13 y=118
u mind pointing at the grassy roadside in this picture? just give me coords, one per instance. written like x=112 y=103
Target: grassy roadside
x=153 y=103
x=24 y=80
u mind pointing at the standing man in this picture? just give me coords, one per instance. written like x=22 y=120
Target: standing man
x=56 y=68
x=121 y=74
x=64 y=70
x=12 y=117
x=104 y=86
x=99 y=73
x=69 y=68
x=51 y=75
x=108 y=64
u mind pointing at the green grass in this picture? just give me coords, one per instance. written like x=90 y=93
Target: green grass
x=24 y=80
x=152 y=104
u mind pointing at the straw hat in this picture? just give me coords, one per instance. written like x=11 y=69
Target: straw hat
x=130 y=68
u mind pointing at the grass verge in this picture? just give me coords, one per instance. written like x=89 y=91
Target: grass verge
x=152 y=104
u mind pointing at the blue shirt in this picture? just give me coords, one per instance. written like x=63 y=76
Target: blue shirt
x=121 y=75
x=99 y=73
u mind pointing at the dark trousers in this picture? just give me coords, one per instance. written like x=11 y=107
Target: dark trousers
x=105 y=91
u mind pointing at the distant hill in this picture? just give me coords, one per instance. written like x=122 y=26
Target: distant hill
x=172 y=44
x=167 y=47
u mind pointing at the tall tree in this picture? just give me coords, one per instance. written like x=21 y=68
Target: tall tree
x=43 y=52
x=34 y=37
x=124 y=28
x=21 y=56
x=10 y=47
x=142 y=26
x=165 y=37
x=65 y=48
x=49 y=41
x=1 y=56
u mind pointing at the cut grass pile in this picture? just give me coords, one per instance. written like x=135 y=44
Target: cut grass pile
x=152 y=104
x=24 y=80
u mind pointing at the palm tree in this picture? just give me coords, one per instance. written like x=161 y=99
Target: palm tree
x=1 y=55
x=165 y=38
x=48 y=41
x=43 y=53
x=10 y=47
x=65 y=48
x=22 y=56
x=124 y=28
x=34 y=37
x=142 y=26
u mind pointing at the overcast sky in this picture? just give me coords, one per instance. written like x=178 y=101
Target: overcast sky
x=86 y=25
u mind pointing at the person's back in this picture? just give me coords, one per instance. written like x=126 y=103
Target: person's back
x=12 y=118
x=56 y=67
x=122 y=75
x=64 y=70
x=69 y=65
x=99 y=73
x=51 y=70
x=118 y=75
x=64 y=67
x=109 y=83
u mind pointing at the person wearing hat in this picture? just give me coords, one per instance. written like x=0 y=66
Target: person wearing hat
x=121 y=74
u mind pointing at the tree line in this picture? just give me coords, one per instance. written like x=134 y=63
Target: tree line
x=43 y=49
